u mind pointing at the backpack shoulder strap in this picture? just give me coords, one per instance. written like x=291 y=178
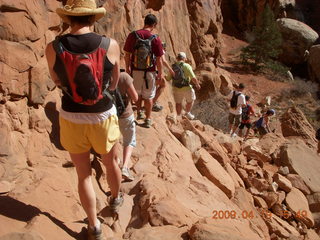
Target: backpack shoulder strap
x=57 y=45
x=105 y=42
x=153 y=37
x=136 y=34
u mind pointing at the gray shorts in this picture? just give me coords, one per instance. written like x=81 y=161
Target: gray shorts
x=128 y=131
x=234 y=119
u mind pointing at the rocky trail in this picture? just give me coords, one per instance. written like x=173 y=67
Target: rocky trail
x=192 y=181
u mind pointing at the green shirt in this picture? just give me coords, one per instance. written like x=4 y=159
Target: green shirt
x=188 y=73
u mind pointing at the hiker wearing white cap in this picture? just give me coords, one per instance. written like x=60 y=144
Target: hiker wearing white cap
x=83 y=64
x=181 y=82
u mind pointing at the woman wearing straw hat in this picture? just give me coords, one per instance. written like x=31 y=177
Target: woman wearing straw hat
x=94 y=124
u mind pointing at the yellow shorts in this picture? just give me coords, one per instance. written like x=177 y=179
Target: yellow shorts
x=79 y=138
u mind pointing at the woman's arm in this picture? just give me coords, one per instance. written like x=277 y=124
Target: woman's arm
x=51 y=59
x=113 y=55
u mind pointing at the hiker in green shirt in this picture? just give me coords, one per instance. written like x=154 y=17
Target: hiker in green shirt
x=182 y=88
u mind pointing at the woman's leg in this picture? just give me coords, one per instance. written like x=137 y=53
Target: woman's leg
x=87 y=195
x=114 y=177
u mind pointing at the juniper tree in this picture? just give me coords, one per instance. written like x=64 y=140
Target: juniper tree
x=266 y=46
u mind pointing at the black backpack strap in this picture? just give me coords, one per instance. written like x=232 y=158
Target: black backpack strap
x=57 y=46
x=136 y=34
x=105 y=42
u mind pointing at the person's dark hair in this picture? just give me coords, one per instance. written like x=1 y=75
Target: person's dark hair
x=150 y=20
x=241 y=86
x=247 y=98
x=271 y=112
x=83 y=20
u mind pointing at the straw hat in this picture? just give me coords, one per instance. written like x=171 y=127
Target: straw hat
x=80 y=8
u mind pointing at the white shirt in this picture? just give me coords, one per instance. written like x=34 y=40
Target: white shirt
x=241 y=101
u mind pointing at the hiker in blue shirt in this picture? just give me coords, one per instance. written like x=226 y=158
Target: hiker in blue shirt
x=262 y=125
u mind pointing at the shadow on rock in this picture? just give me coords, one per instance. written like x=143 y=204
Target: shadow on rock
x=53 y=115
x=20 y=211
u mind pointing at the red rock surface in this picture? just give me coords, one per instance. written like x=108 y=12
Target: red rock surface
x=169 y=198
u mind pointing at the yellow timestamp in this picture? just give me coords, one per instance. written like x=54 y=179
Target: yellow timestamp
x=232 y=214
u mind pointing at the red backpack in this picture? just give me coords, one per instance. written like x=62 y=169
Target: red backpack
x=84 y=72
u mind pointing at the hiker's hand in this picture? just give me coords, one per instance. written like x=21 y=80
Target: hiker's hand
x=198 y=86
x=172 y=73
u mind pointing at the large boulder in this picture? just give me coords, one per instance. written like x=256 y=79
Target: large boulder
x=295 y=124
x=208 y=229
x=303 y=161
x=298 y=204
x=314 y=63
x=211 y=169
x=297 y=38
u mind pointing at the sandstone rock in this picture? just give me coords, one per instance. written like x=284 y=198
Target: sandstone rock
x=158 y=233
x=245 y=202
x=255 y=152
x=297 y=37
x=211 y=168
x=191 y=141
x=271 y=198
x=284 y=170
x=298 y=183
x=297 y=203
x=312 y=235
x=5 y=187
x=169 y=212
x=208 y=141
x=17 y=55
x=278 y=210
x=283 y=182
x=303 y=161
x=259 y=202
x=316 y=216
x=221 y=229
x=21 y=236
x=40 y=81
x=314 y=202
x=281 y=196
x=274 y=187
x=260 y=184
x=294 y=123
x=281 y=228
x=234 y=175
x=313 y=63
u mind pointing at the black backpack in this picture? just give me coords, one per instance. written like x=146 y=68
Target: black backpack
x=118 y=100
x=179 y=79
x=234 y=100
x=143 y=57
x=245 y=112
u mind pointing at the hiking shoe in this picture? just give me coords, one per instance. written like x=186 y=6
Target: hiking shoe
x=95 y=234
x=140 y=115
x=157 y=107
x=233 y=135
x=147 y=123
x=126 y=174
x=116 y=203
x=190 y=116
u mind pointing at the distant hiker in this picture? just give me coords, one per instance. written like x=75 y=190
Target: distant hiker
x=262 y=125
x=77 y=62
x=143 y=51
x=237 y=102
x=162 y=82
x=182 y=88
x=127 y=122
x=247 y=112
